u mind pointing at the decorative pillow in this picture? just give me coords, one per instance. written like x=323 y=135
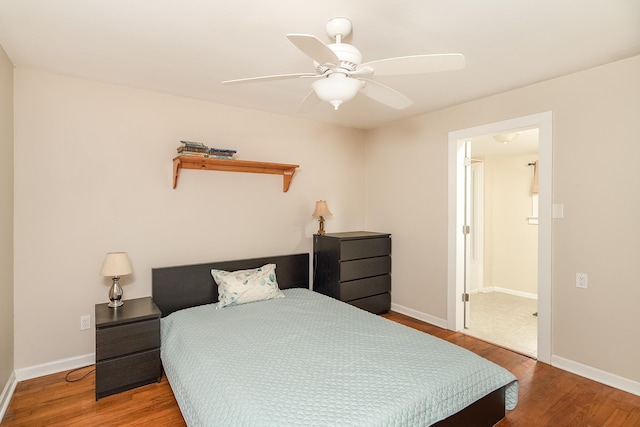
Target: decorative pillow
x=243 y=286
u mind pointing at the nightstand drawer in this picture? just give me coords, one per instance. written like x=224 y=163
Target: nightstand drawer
x=115 y=375
x=365 y=248
x=376 y=304
x=365 y=287
x=128 y=338
x=358 y=269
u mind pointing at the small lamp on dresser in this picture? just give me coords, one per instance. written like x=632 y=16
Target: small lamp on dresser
x=320 y=212
x=116 y=264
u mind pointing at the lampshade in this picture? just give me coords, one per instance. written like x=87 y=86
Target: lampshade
x=336 y=89
x=321 y=209
x=116 y=264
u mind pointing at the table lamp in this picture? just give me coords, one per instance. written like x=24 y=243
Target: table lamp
x=320 y=212
x=116 y=264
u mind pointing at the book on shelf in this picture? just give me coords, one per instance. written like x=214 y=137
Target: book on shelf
x=223 y=150
x=194 y=144
x=220 y=154
x=192 y=150
x=190 y=154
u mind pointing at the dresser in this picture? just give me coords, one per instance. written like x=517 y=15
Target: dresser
x=127 y=346
x=354 y=267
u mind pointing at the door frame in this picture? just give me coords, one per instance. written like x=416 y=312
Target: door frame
x=456 y=268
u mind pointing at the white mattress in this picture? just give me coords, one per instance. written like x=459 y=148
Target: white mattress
x=309 y=360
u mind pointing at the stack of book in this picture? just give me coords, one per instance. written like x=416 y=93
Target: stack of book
x=193 y=149
x=190 y=148
x=221 y=153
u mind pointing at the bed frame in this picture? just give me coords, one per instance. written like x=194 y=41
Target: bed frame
x=176 y=288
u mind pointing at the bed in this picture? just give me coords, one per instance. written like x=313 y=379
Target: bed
x=304 y=359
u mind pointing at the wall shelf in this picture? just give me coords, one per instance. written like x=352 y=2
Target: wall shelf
x=193 y=162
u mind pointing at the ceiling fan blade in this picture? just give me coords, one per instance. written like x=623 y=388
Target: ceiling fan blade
x=314 y=48
x=385 y=95
x=416 y=64
x=308 y=103
x=268 y=78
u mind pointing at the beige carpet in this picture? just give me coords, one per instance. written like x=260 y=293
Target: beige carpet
x=505 y=320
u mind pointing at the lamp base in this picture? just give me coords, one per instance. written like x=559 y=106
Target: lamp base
x=115 y=294
x=321 y=225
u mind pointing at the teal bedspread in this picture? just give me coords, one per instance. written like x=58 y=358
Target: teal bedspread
x=309 y=360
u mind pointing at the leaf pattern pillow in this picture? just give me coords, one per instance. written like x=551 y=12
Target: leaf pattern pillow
x=243 y=286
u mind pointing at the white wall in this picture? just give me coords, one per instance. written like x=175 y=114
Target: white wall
x=6 y=221
x=595 y=155
x=511 y=244
x=93 y=174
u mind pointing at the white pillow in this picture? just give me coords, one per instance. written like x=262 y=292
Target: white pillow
x=243 y=286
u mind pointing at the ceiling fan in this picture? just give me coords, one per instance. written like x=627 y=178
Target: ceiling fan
x=340 y=74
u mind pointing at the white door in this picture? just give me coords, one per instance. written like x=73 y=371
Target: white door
x=473 y=229
x=477 y=226
x=466 y=231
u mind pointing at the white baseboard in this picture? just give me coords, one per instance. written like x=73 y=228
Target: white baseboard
x=436 y=321
x=577 y=368
x=489 y=289
x=7 y=393
x=55 y=367
x=516 y=293
x=596 y=374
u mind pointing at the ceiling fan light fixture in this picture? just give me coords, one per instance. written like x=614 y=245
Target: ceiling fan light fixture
x=340 y=72
x=336 y=89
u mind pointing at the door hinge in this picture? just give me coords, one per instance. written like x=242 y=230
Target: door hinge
x=465 y=297
x=467 y=161
x=466 y=229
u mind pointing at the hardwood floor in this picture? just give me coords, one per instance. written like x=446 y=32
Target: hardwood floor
x=548 y=396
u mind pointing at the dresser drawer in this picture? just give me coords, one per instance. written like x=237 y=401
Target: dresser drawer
x=115 y=375
x=376 y=304
x=127 y=338
x=354 y=267
x=365 y=287
x=361 y=268
x=364 y=248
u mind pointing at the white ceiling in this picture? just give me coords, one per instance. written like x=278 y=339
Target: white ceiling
x=187 y=47
x=526 y=142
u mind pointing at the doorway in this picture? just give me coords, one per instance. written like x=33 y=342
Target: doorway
x=459 y=240
x=503 y=240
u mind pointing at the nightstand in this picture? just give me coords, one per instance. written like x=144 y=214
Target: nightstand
x=354 y=267
x=127 y=346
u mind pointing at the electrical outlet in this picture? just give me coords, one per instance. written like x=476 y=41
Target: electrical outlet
x=85 y=322
x=582 y=280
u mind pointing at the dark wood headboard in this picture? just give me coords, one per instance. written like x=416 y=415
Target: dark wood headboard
x=184 y=286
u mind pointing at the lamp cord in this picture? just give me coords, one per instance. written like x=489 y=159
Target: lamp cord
x=73 y=371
